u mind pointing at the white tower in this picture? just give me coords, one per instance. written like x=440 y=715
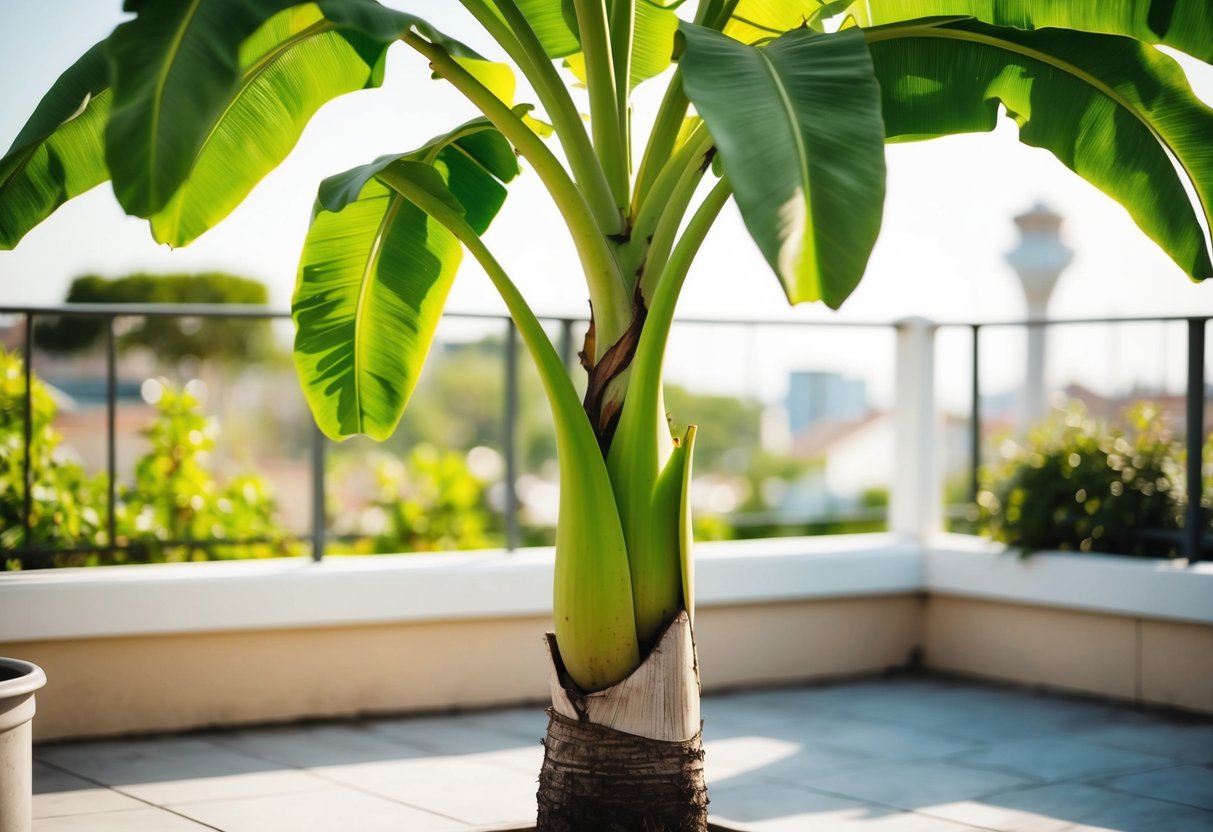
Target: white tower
x=1038 y=259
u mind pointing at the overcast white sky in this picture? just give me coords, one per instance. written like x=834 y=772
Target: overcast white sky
x=947 y=221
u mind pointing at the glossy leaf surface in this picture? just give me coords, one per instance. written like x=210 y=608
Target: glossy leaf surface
x=1113 y=110
x=290 y=67
x=555 y=25
x=1186 y=25
x=374 y=276
x=175 y=69
x=798 y=128
x=58 y=153
x=754 y=20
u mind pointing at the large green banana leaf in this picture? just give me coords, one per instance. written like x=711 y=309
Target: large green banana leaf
x=374 y=276
x=1113 y=110
x=290 y=67
x=58 y=153
x=1186 y=25
x=798 y=127
x=175 y=67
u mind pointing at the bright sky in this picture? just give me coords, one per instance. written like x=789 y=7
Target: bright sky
x=947 y=221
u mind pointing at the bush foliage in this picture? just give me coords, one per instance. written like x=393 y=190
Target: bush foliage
x=1078 y=485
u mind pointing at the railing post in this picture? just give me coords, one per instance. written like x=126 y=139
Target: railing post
x=975 y=419
x=319 y=517
x=510 y=438
x=566 y=343
x=914 y=505
x=111 y=431
x=1194 y=516
x=27 y=473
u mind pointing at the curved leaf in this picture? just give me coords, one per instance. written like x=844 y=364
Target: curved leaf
x=374 y=276
x=798 y=127
x=554 y=23
x=1113 y=110
x=58 y=153
x=652 y=44
x=756 y=20
x=1186 y=25
x=372 y=283
x=175 y=68
x=290 y=67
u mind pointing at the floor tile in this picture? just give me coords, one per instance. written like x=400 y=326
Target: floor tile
x=1050 y=759
x=1184 y=742
x=176 y=769
x=147 y=819
x=463 y=734
x=888 y=742
x=526 y=724
x=330 y=809
x=912 y=785
x=461 y=787
x=770 y=758
x=57 y=793
x=1074 y=806
x=901 y=755
x=777 y=808
x=317 y=745
x=1192 y=785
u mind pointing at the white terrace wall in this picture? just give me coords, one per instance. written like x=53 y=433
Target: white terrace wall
x=145 y=649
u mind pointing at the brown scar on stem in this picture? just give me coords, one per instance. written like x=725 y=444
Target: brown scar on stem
x=604 y=416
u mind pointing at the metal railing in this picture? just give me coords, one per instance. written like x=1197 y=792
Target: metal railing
x=1192 y=536
x=319 y=534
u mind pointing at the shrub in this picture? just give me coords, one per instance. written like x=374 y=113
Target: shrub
x=1078 y=485
x=67 y=505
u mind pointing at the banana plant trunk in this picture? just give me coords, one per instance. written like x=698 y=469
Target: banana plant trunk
x=628 y=758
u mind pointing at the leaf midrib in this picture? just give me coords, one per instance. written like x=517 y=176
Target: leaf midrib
x=790 y=111
x=368 y=275
x=162 y=81
x=250 y=75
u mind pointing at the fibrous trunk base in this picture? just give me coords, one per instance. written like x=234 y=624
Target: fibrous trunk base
x=596 y=779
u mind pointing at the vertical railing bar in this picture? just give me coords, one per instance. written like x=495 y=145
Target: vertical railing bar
x=319 y=519
x=111 y=431
x=566 y=343
x=510 y=439
x=1193 y=526
x=975 y=419
x=27 y=427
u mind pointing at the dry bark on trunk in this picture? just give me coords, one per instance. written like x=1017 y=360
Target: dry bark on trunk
x=629 y=758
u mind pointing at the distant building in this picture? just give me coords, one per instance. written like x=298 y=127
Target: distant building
x=815 y=396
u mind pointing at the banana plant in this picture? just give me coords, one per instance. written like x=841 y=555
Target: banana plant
x=784 y=106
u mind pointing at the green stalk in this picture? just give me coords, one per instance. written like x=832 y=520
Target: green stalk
x=667 y=203
x=636 y=457
x=592 y=603
x=612 y=305
x=515 y=35
x=605 y=117
x=664 y=134
x=623 y=32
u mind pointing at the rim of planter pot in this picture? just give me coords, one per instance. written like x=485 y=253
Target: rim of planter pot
x=18 y=677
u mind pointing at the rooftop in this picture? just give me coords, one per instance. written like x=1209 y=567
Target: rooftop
x=903 y=754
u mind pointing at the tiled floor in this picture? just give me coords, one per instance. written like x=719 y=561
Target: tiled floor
x=909 y=755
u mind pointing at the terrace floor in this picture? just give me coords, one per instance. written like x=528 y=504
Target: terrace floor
x=901 y=755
